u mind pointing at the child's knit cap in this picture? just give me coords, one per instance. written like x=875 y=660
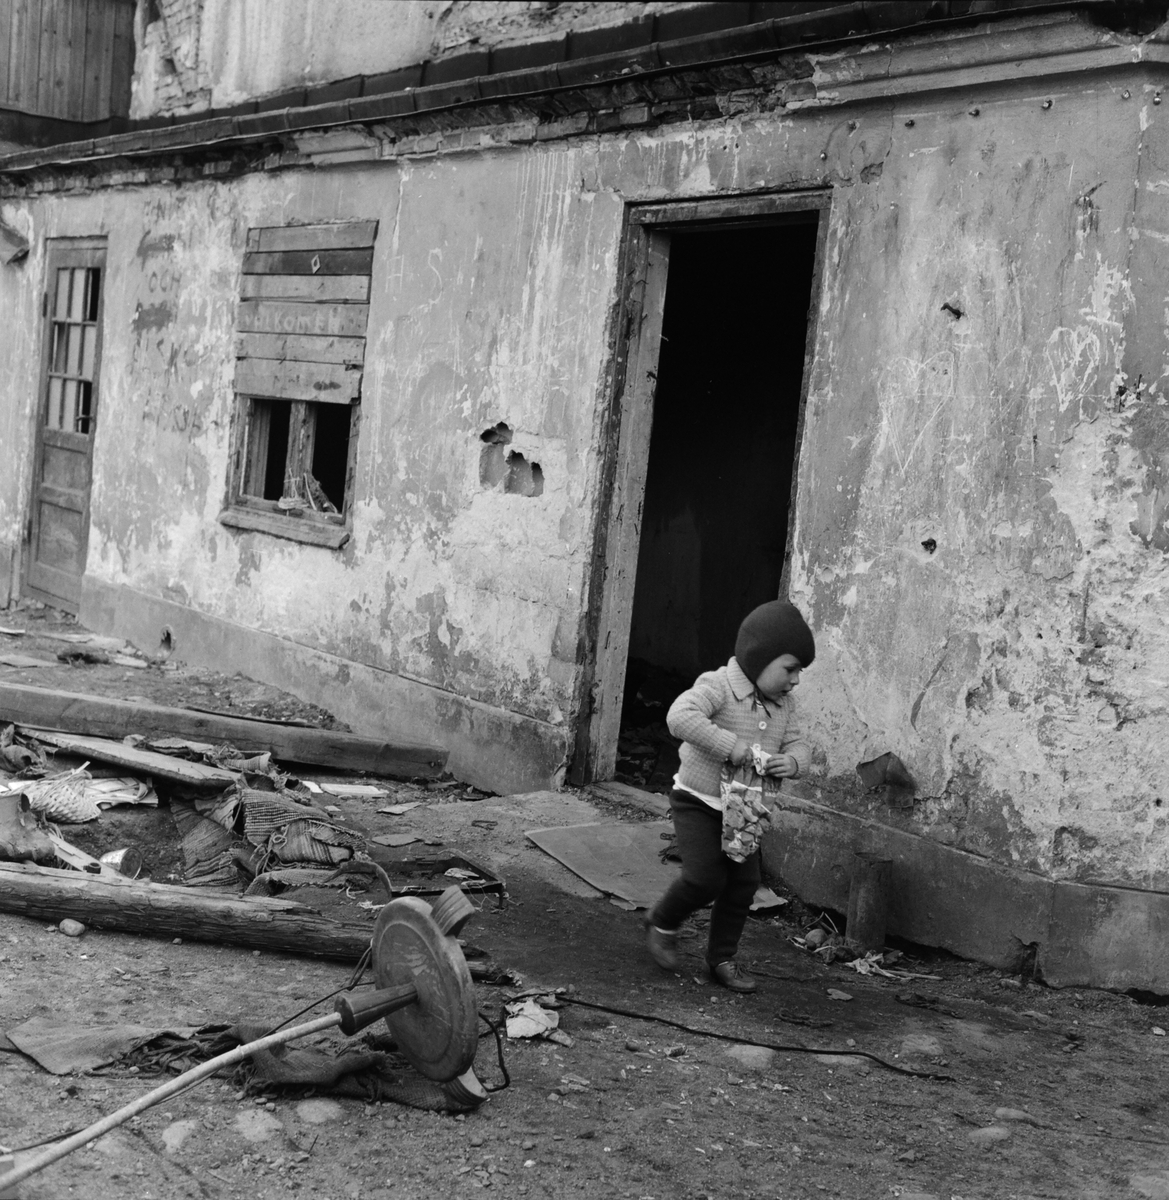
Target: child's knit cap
x=770 y=630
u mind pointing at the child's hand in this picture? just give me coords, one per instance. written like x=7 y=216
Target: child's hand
x=741 y=753
x=782 y=766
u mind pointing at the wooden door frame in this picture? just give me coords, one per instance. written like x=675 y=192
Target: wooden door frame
x=58 y=254
x=644 y=267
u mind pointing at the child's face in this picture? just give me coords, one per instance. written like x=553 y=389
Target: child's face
x=779 y=676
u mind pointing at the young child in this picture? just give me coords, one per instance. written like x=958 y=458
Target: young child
x=720 y=719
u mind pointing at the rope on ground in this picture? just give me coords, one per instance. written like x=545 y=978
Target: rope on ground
x=741 y=1041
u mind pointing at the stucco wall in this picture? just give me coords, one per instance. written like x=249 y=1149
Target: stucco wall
x=1017 y=668
x=445 y=581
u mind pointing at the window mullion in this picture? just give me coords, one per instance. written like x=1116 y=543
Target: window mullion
x=300 y=450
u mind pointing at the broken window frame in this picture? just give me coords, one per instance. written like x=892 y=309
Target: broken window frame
x=248 y=509
x=63 y=321
x=319 y=277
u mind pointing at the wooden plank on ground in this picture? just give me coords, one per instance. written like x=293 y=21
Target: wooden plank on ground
x=624 y=793
x=47 y=708
x=142 y=762
x=329 y=383
x=305 y=287
x=300 y=347
x=309 y=262
x=161 y=910
x=349 y=235
x=287 y=316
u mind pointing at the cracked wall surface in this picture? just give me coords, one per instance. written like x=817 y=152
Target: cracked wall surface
x=201 y=54
x=980 y=525
x=977 y=538
x=462 y=587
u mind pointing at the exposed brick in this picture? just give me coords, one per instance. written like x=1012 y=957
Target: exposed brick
x=568 y=127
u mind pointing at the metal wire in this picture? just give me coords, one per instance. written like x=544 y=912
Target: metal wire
x=726 y=1037
x=358 y=971
x=495 y=1027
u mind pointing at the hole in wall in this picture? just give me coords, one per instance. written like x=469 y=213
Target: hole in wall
x=497 y=435
x=523 y=478
x=492 y=460
x=929 y=545
x=166 y=643
x=498 y=465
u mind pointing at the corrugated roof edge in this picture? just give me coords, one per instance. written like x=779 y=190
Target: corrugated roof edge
x=801 y=26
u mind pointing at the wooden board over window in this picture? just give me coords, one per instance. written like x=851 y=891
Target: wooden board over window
x=300 y=356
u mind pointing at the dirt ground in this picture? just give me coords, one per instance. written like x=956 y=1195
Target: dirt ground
x=634 y=1107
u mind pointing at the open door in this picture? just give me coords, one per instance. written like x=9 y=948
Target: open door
x=59 y=528
x=719 y=309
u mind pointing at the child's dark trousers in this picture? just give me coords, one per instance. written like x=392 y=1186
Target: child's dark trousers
x=708 y=876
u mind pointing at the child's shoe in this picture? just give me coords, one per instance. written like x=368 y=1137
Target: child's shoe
x=732 y=976
x=662 y=947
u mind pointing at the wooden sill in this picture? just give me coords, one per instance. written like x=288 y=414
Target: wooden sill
x=296 y=529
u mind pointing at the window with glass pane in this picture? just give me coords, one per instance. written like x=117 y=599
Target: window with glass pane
x=73 y=349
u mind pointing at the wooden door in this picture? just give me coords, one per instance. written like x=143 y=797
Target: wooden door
x=68 y=415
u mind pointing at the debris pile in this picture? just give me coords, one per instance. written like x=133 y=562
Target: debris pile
x=825 y=943
x=245 y=826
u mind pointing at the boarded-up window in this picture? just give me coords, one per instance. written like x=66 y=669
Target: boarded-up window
x=300 y=354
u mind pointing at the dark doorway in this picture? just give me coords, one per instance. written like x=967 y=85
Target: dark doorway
x=714 y=528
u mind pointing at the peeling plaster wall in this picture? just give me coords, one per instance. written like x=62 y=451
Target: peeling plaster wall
x=204 y=54
x=492 y=284
x=1016 y=660
x=969 y=541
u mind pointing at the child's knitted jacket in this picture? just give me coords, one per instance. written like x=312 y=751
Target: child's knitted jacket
x=720 y=708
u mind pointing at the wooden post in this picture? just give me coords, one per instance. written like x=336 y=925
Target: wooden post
x=868 y=904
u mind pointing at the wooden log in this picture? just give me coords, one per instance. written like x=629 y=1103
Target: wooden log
x=868 y=904
x=71 y=712
x=161 y=910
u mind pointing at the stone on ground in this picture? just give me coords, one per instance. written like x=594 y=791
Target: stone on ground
x=319 y=1112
